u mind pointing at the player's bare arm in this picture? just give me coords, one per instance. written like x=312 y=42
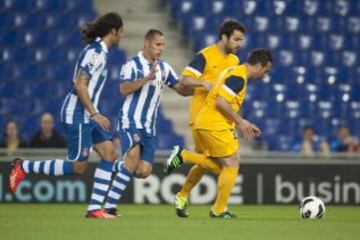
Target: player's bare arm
x=81 y=87
x=189 y=81
x=183 y=89
x=129 y=87
x=248 y=129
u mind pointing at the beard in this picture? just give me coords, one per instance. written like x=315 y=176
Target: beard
x=229 y=50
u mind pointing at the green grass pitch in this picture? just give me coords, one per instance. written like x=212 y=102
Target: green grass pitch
x=66 y=221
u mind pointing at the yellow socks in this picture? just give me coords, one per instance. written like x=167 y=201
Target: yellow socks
x=226 y=182
x=200 y=159
x=193 y=177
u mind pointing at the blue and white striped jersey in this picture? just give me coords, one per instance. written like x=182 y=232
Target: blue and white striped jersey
x=140 y=108
x=92 y=60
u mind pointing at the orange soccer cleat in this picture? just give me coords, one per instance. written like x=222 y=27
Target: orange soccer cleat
x=17 y=174
x=100 y=214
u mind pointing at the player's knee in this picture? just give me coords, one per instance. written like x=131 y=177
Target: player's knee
x=143 y=174
x=234 y=162
x=230 y=162
x=110 y=155
x=144 y=171
x=80 y=167
x=107 y=152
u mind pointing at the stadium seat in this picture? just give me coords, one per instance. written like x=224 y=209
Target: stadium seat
x=50 y=5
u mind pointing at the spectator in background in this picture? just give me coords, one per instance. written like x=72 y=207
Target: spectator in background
x=11 y=140
x=311 y=143
x=47 y=136
x=345 y=142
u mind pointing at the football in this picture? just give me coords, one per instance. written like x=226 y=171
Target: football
x=312 y=208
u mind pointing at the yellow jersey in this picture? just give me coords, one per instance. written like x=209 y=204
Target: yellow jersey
x=206 y=65
x=231 y=86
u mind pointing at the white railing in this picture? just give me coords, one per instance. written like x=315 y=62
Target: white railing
x=247 y=157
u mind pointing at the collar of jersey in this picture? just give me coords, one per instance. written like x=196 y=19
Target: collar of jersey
x=142 y=58
x=103 y=45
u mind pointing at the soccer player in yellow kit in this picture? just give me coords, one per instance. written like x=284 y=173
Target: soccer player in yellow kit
x=205 y=69
x=216 y=122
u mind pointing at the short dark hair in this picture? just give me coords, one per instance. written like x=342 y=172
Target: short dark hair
x=100 y=27
x=228 y=27
x=151 y=33
x=308 y=127
x=259 y=55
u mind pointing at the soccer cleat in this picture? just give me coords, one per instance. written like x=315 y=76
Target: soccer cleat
x=226 y=214
x=181 y=205
x=174 y=161
x=99 y=214
x=113 y=211
x=17 y=174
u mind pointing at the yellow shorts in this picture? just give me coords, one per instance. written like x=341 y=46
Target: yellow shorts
x=199 y=147
x=218 y=143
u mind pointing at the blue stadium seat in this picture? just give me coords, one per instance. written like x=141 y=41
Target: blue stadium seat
x=263 y=23
x=72 y=54
x=72 y=39
x=355 y=92
x=283 y=8
x=19 y=55
x=293 y=24
x=117 y=57
x=206 y=40
x=11 y=38
x=79 y=6
x=8 y=89
x=340 y=8
x=65 y=20
x=27 y=20
x=250 y=7
x=349 y=58
x=310 y=7
x=336 y=41
x=63 y=72
x=280 y=143
x=50 y=5
x=223 y=7
x=6 y=19
x=275 y=41
x=55 y=55
x=16 y=5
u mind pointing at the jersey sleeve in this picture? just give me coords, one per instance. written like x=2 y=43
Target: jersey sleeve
x=92 y=61
x=196 y=68
x=127 y=72
x=171 y=77
x=231 y=87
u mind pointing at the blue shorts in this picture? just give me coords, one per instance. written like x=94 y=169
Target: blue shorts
x=81 y=137
x=130 y=137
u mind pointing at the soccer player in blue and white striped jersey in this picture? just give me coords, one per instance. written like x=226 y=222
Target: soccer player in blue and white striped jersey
x=84 y=125
x=142 y=81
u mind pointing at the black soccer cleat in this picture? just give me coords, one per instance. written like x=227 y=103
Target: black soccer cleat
x=113 y=211
x=226 y=214
x=174 y=161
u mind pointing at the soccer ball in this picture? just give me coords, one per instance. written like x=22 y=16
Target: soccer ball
x=312 y=207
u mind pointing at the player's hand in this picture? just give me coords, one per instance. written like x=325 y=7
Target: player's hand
x=208 y=86
x=248 y=130
x=102 y=121
x=256 y=130
x=152 y=73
